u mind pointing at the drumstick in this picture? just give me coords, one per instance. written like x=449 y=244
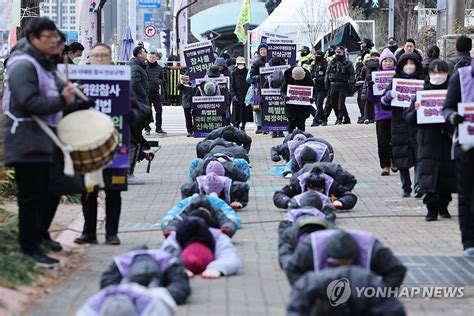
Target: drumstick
x=76 y=90
x=66 y=67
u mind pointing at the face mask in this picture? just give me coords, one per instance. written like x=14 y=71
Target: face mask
x=240 y=66
x=319 y=58
x=409 y=69
x=339 y=57
x=393 y=49
x=76 y=60
x=438 y=79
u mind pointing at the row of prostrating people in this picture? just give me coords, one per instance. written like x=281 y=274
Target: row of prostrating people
x=197 y=231
x=313 y=252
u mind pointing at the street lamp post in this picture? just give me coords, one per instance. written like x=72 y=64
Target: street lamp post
x=455 y=15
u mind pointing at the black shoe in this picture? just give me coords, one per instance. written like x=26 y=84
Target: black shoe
x=274 y=135
x=280 y=134
x=338 y=122
x=418 y=193
x=346 y=122
x=112 y=240
x=160 y=131
x=431 y=216
x=315 y=123
x=52 y=245
x=324 y=124
x=43 y=261
x=265 y=133
x=443 y=213
x=259 y=130
x=360 y=120
x=189 y=134
x=406 y=194
x=86 y=239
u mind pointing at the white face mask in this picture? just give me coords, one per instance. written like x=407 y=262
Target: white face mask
x=438 y=78
x=76 y=60
x=409 y=69
x=240 y=66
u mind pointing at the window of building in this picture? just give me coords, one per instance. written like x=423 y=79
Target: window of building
x=64 y=9
x=72 y=20
x=55 y=9
x=72 y=10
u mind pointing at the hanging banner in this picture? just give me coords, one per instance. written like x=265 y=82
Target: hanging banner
x=266 y=35
x=284 y=48
x=431 y=106
x=208 y=113
x=199 y=58
x=299 y=95
x=109 y=87
x=382 y=79
x=273 y=111
x=406 y=90
x=466 y=129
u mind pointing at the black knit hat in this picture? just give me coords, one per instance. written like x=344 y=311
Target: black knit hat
x=194 y=229
x=308 y=155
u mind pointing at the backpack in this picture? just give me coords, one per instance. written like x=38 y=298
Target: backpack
x=465 y=61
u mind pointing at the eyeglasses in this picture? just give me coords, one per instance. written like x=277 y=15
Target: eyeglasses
x=100 y=55
x=50 y=36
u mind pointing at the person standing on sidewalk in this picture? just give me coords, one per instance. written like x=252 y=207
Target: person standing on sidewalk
x=155 y=80
x=254 y=75
x=319 y=68
x=115 y=182
x=32 y=90
x=139 y=83
x=241 y=113
x=339 y=81
x=461 y=89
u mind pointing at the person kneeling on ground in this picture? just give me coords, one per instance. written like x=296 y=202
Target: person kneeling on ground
x=204 y=250
x=214 y=210
x=235 y=168
x=149 y=267
x=289 y=141
x=207 y=148
x=231 y=134
x=307 y=151
x=234 y=193
x=309 y=295
x=316 y=180
x=330 y=248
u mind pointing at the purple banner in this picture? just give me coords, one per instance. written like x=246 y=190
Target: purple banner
x=273 y=111
x=208 y=114
x=199 y=58
x=284 y=48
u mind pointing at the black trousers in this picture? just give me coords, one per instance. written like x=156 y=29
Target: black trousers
x=188 y=116
x=465 y=176
x=318 y=113
x=329 y=107
x=360 y=102
x=113 y=205
x=437 y=201
x=369 y=113
x=338 y=94
x=35 y=204
x=298 y=122
x=384 y=142
x=155 y=101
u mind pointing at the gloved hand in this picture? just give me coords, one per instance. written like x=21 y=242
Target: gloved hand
x=189 y=274
x=211 y=274
x=225 y=230
x=392 y=94
x=276 y=158
x=337 y=205
x=456 y=119
x=236 y=205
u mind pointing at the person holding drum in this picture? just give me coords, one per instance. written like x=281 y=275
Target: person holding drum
x=32 y=91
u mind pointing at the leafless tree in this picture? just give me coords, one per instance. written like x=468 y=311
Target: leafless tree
x=314 y=16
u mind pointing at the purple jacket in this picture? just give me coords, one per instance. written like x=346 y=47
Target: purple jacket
x=376 y=100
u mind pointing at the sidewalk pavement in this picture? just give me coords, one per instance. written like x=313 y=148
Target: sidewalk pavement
x=261 y=287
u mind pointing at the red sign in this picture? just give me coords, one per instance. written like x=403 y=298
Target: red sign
x=150 y=30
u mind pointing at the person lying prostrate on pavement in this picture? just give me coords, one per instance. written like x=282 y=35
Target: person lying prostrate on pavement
x=235 y=168
x=146 y=266
x=329 y=248
x=334 y=170
x=283 y=150
x=207 y=148
x=309 y=295
x=311 y=199
x=316 y=180
x=216 y=212
x=231 y=134
x=204 y=250
x=308 y=151
x=129 y=299
x=234 y=193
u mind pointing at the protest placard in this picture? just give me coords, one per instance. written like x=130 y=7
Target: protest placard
x=466 y=129
x=299 y=95
x=208 y=113
x=382 y=79
x=109 y=87
x=406 y=89
x=199 y=58
x=282 y=47
x=267 y=71
x=266 y=35
x=218 y=80
x=273 y=111
x=431 y=106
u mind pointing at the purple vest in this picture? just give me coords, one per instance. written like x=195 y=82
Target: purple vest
x=324 y=198
x=466 y=75
x=292 y=215
x=328 y=181
x=319 y=241
x=318 y=147
x=140 y=300
x=201 y=180
x=47 y=87
x=292 y=145
x=124 y=262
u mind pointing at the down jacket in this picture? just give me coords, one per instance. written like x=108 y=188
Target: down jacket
x=309 y=295
x=336 y=171
x=220 y=146
x=174 y=277
x=383 y=262
x=239 y=137
x=236 y=169
x=139 y=83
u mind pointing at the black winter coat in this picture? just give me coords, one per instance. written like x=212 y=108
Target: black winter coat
x=239 y=191
x=220 y=146
x=319 y=73
x=239 y=137
x=174 y=279
x=231 y=170
x=155 y=77
x=239 y=86
x=437 y=169
x=309 y=294
x=404 y=145
x=139 y=82
x=296 y=111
